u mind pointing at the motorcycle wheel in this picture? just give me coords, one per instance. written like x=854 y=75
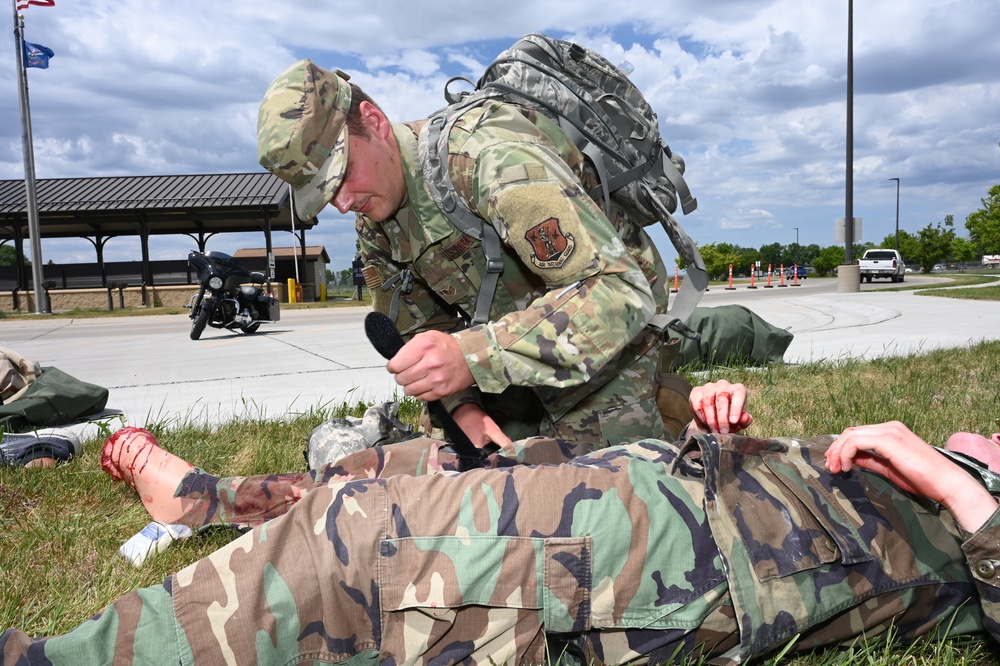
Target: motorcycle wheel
x=198 y=327
x=252 y=328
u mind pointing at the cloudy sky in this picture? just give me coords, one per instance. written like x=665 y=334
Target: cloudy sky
x=751 y=92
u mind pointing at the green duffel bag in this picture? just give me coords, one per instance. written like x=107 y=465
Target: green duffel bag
x=732 y=335
x=53 y=398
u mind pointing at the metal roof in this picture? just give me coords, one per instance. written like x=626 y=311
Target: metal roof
x=316 y=252
x=116 y=205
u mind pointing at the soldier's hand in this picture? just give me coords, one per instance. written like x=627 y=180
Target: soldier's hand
x=893 y=451
x=431 y=366
x=720 y=407
x=478 y=425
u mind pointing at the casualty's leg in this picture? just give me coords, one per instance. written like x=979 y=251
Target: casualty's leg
x=138 y=628
x=134 y=456
x=444 y=568
x=441 y=568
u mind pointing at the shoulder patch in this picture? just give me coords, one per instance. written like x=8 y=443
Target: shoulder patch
x=550 y=246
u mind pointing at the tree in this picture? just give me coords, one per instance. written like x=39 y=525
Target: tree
x=907 y=245
x=963 y=250
x=771 y=254
x=791 y=254
x=8 y=256
x=749 y=258
x=810 y=252
x=828 y=258
x=934 y=243
x=984 y=224
x=717 y=259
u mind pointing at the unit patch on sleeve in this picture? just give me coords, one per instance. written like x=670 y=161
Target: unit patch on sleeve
x=550 y=246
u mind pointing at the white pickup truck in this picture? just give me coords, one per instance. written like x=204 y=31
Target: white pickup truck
x=882 y=263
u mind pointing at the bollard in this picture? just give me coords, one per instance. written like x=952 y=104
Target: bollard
x=730 y=287
x=781 y=278
x=291 y=290
x=769 y=285
x=677 y=280
x=795 y=275
x=752 y=285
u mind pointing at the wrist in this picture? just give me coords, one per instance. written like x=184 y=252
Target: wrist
x=971 y=505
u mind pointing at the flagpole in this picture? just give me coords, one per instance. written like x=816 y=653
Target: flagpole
x=34 y=230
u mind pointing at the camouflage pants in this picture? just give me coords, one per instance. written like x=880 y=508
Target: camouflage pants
x=508 y=565
x=641 y=551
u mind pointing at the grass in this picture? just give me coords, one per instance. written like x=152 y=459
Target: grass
x=60 y=527
x=991 y=293
x=956 y=280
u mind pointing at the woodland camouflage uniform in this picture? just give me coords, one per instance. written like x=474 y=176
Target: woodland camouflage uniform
x=724 y=544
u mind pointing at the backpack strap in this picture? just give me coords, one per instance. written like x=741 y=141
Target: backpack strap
x=433 y=150
x=696 y=280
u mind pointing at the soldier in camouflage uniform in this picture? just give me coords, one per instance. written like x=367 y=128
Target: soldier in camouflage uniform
x=567 y=351
x=722 y=545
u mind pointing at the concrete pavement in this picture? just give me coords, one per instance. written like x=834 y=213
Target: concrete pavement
x=320 y=357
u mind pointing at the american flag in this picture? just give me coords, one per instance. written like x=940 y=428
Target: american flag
x=24 y=4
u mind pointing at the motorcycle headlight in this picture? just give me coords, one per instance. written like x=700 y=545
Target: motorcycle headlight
x=215 y=282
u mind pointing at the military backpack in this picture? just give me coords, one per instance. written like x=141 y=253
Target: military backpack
x=608 y=119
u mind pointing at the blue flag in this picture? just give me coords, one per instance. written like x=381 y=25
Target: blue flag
x=36 y=55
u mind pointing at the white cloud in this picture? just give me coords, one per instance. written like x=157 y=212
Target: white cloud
x=750 y=92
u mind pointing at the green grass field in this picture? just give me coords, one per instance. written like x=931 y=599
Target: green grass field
x=60 y=527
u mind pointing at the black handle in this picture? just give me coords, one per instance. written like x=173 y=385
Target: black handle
x=387 y=341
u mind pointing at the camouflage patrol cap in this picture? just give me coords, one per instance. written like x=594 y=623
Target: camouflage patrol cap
x=302 y=133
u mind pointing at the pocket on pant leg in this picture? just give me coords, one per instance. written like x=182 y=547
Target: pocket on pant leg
x=458 y=596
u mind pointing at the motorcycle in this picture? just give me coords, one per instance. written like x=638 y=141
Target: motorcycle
x=228 y=297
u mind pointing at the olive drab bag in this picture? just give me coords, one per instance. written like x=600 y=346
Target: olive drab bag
x=611 y=123
x=54 y=398
x=32 y=396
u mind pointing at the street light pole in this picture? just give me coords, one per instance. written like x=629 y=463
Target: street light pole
x=897 y=212
x=796 y=244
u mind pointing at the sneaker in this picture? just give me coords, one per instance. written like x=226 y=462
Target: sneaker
x=18 y=449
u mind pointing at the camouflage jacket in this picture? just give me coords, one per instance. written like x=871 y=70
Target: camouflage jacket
x=576 y=290
x=726 y=546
